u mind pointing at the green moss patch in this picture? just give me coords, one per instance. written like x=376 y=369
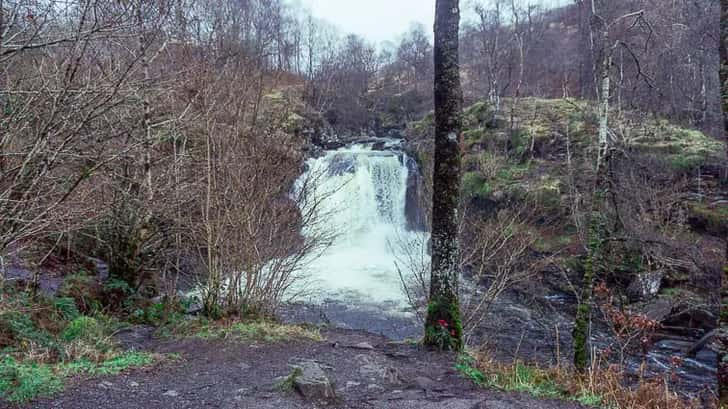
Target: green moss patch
x=444 y=329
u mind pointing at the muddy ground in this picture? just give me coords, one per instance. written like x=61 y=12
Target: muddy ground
x=367 y=372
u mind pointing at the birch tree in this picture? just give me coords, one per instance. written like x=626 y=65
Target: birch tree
x=443 y=328
x=597 y=233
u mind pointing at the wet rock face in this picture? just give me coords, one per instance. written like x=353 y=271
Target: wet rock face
x=342 y=164
x=416 y=218
x=379 y=146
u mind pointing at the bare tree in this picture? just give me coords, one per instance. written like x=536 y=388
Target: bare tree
x=60 y=127
x=443 y=327
x=415 y=54
x=723 y=324
x=601 y=187
x=493 y=47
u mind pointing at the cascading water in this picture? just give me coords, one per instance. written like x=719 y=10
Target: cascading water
x=361 y=194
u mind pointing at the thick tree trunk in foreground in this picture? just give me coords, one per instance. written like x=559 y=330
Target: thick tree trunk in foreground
x=723 y=324
x=443 y=328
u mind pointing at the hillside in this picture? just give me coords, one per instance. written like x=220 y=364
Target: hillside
x=542 y=151
x=532 y=166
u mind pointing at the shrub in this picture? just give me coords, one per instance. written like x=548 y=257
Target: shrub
x=475 y=185
x=65 y=308
x=116 y=294
x=84 y=289
x=82 y=328
x=519 y=142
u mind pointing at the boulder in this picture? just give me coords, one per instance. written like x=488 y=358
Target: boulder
x=645 y=286
x=659 y=309
x=691 y=315
x=312 y=382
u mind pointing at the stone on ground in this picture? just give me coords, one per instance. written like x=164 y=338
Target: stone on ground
x=312 y=382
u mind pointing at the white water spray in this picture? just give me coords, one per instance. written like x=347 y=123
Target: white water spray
x=364 y=195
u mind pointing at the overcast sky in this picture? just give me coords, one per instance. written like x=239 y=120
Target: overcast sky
x=382 y=20
x=376 y=20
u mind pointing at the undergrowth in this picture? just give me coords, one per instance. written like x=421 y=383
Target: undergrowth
x=602 y=387
x=171 y=321
x=21 y=381
x=45 y=340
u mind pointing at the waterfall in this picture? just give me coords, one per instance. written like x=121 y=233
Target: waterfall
x=363 y=200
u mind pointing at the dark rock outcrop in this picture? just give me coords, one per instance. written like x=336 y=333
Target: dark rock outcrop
x=416 y=216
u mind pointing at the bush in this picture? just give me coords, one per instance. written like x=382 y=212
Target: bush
x=65 y=308
x=475 y=185
x=686 y=162
x=548 y=197
x=519 y=142
x=478 y=114
x=84 y=290
x=82 y=328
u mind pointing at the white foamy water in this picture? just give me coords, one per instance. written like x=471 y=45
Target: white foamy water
x=364 y=197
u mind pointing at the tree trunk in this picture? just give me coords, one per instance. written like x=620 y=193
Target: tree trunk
x=596 y=231
x=443 y=328
x=723 y=325
x=604 y=107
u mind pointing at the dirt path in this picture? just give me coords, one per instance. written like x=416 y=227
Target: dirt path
x=367 y=373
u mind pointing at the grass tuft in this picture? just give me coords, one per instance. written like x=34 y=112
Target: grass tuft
x=288 y=382
x=262 y=331
x=602 y=387
x=23 y=381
